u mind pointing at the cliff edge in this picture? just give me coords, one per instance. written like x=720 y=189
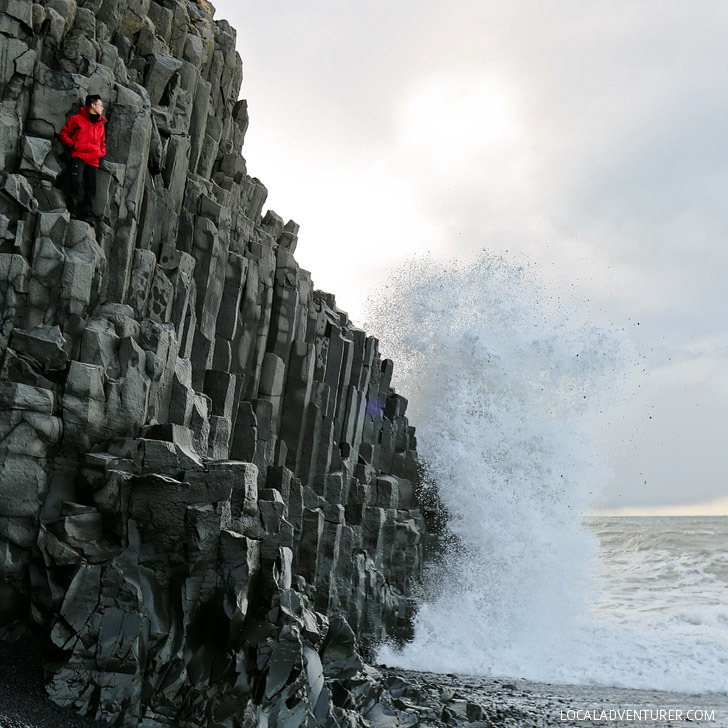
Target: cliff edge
x=207 y=483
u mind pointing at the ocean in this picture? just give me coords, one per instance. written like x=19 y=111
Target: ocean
x=512 y=385
x=650 y=650
x=660 y=585
x=656 y=617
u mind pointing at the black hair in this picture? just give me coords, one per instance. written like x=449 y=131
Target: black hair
x=92 y=99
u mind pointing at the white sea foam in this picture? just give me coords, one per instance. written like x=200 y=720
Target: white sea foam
x=506 y=382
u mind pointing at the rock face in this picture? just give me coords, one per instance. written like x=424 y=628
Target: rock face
x=206 y=479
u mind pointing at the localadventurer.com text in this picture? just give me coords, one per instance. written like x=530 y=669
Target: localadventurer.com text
x=638 y=714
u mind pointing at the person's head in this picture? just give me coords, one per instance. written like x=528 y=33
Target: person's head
x=95 y=106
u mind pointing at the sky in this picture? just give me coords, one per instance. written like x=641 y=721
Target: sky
x=588 y=138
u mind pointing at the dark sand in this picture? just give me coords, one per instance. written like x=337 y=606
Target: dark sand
x=23 y=701
x=504 y=702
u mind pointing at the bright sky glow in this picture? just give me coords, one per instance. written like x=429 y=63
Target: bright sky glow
x=588 y=138
x=449 y=120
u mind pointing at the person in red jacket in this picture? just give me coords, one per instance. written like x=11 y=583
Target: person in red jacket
x=84 y=134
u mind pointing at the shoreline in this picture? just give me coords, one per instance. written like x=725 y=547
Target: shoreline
x=541 y=704
x=420 y=698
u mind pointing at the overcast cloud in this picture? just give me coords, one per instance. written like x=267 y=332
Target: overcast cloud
x=587 y=136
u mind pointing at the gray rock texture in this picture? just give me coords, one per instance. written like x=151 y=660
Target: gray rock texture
x=206 y=480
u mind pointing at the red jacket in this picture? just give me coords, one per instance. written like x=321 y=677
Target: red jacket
x=86 y=139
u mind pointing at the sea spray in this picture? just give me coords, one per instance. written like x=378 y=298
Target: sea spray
x=503 y=383
x=510 y=381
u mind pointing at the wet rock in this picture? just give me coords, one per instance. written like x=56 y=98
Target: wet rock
x=340 y=655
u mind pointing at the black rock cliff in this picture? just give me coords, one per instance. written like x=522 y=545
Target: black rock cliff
x=207 y=483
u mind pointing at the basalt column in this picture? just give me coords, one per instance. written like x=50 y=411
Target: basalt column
x=206 y=479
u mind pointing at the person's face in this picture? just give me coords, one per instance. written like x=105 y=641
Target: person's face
x=97 y=107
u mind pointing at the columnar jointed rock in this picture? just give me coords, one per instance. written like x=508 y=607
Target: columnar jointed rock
x=200 y=456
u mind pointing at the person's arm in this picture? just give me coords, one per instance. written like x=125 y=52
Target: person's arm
x=103 y=141
x=68 y=132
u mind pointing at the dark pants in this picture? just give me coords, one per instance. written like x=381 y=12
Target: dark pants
x=81 y=175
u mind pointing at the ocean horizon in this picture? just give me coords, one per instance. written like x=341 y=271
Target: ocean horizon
x=654 y=616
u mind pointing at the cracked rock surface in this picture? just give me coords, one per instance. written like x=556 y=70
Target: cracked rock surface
x=207 y=482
